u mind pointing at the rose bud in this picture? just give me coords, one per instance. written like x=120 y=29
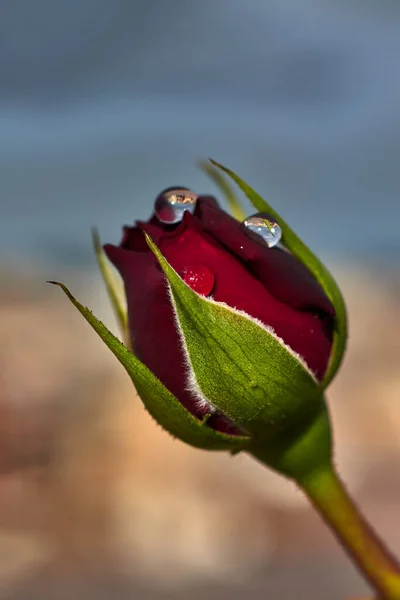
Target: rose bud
x=219 y=258
x=235 y=328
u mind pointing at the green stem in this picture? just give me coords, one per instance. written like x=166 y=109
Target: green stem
x=332 y=501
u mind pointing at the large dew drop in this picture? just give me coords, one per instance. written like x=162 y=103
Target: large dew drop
x=266 y=227
x=172 y=203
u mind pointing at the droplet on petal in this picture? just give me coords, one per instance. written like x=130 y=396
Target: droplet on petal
x=266 y=227
x=172 y=203
x=199 y=278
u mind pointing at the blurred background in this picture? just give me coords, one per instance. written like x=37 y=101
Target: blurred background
x=102 y=105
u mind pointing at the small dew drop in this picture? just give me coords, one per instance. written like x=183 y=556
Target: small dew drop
x=171 y=204
x=266 y=227
x=199 y=278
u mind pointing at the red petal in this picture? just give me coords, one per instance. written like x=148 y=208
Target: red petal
x=280 y=272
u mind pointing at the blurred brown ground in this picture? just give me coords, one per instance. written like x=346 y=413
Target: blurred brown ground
x=96 y=501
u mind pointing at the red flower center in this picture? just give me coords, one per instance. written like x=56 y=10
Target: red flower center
x=199 y=278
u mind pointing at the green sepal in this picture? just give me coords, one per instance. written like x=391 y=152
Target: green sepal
x=225 y=187
x=240 y=367
x=302 y=449
x=297 y=247
x=160 y=403
x=113 y=286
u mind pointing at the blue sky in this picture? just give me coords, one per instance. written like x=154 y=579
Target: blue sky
x=103 y=104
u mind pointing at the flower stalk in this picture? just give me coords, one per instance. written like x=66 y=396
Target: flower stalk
x=330 y=498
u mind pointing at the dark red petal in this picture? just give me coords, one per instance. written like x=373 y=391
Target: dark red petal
x=280 y=272
x=157 y=230
x=133 y=239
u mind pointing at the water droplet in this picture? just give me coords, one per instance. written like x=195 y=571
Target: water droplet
x=172 y=203
x=266 y=227
x=199 y=278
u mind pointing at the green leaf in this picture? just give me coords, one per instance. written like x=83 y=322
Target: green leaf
x=113 y=286
x=160 y=403
x=239 y=366
x=226 y=189
x=293 y=243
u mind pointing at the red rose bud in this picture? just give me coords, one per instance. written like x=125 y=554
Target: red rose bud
x=238 y=264
x=235 y=328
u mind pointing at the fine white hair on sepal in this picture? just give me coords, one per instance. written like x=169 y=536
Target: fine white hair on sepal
x=192 y=384
x=269 y=330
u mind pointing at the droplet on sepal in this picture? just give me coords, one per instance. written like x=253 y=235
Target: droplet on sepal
x=266 y=227
x=172 y=203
